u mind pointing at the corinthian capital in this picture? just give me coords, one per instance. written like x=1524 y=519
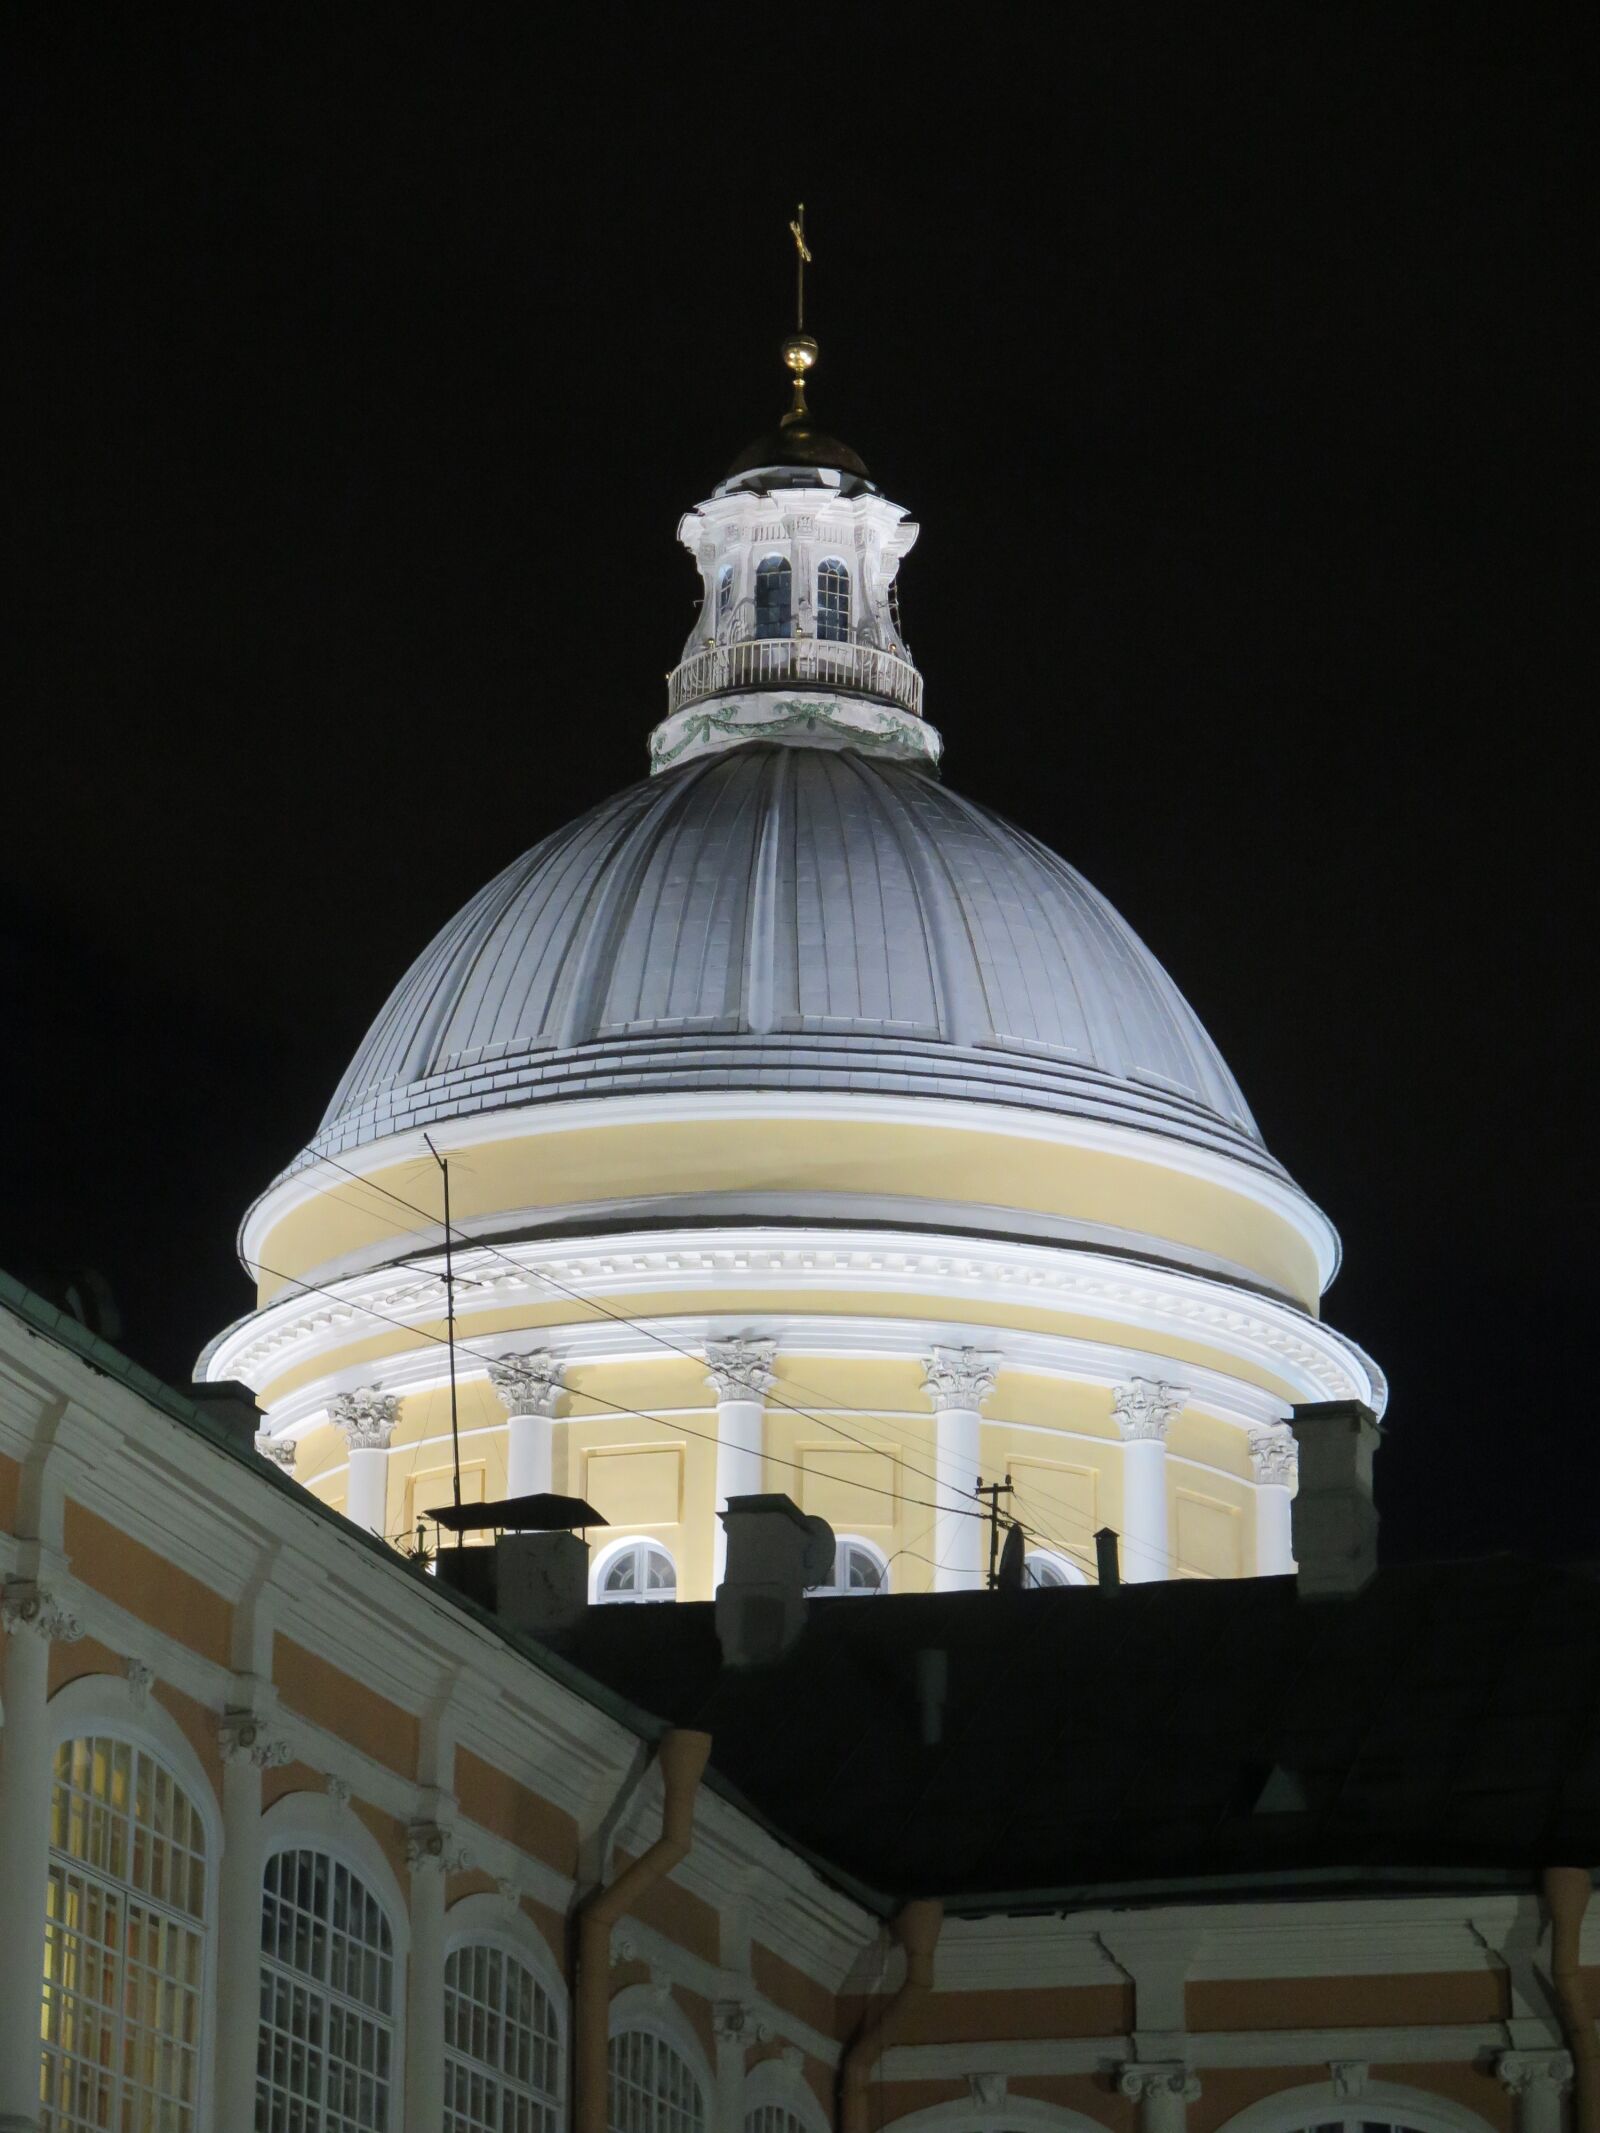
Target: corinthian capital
x=367 y=1418
x=1158 y=2077
x=528 y=1384
x=26 y=1605
x=740 y=1369
x=1275 y=1457
x=958 y=1378
x=1144 y=1409
x=1523 y=2071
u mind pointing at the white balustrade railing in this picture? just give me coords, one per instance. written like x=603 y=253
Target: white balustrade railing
x=773 y=662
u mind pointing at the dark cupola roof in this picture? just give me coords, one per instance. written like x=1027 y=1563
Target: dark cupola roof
x=797 y=441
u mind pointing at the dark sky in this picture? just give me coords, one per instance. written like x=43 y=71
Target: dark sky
x=1230 y=360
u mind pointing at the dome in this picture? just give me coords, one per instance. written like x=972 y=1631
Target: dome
x=791 y=918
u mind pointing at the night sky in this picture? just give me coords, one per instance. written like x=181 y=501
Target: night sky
x=1230 y=359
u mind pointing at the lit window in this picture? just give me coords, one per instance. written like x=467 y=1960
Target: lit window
x=651 y=2089
x=640 y=1571
x=501 y=2052
x=772 y=598
x=856 y=1569
x=833 y=601
x=326 y=2043
x=724 y=591
x=1047 y=1571
x=124 y=1952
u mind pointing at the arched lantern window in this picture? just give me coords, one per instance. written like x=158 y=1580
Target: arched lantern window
x=724 y=591
x=858 y=1569
x=774 y=609
x=637 y=1571
x=833 y=601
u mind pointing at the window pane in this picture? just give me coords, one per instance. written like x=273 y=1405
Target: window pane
x=772 y=598
x=325 y=2041
x=833 y=602
x=501 y=2047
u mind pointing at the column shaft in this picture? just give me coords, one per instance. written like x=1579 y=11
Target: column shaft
x=367 y=1496
x=740 y=1469
x=529 y=1454
x=959 y=1540
x=425 y=1999
x=238 y=1943
x=25 y=1780
x=1144 y=1511
x=1274 y=1531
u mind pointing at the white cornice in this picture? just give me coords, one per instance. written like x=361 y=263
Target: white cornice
x=1155 y=1303
x=1261 y=1182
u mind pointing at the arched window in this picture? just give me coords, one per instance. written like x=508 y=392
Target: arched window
x=1045 y=1571
x=325 y=2055
x=124 y=1955
x=833 y=601
x=652 y=2088
x=638 y=1570
x=857 y=1568
x=502 y=2052
x=724 y=591
x=772 y=598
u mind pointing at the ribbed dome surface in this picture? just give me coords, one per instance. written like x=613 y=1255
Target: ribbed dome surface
x=786 y=919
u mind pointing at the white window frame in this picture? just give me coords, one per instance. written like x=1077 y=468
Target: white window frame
x=1070 y=1572
x=642 y=2007
x=107 y=1706
x=493 y=1921
x=1381 y=2102
x=773 y=2085
x=836 y=563
x=773 y=555
x=850 y=1592
x=608 y=1555
x=310 y=1821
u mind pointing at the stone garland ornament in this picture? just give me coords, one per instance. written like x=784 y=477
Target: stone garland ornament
x=1144 y=1409
x=27 y=1605
x=280 y=1450
x=959 y=1378
x=879 y=732
x=1169 y=2077
x=432 y=1848
x=246 y=1737
x=367 y=1418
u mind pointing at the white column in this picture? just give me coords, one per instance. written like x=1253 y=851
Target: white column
x=529 y=1386
x=740 y=1371
x=1276 y=1464
x=431 y=1853
x=367 y=1418
x=1144 y=1409
x=248 y=1745
x=34 y=1619
x=1163 y=2090
x=1537 y=2080
x=958 y=1381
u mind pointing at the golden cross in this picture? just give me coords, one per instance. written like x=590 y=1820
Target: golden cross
x=797 y=229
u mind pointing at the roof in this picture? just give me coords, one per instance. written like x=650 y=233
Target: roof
x=1443 y=1725
x=783 y=918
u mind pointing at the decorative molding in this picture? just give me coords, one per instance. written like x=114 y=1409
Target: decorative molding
x=1349 y=2078
x=1525 y=2071
x=27 y=1605
x=959 y=1378
x=740 y=1369
x=141 y=1680
x=1144 y=1409
x=340 y=1791
x=529 y=1384
x=280 y=1450
x=432 y=1848
x=1275 y=1458
x=246 y=1737
x=1144 y=2080
x=988 y=2091
x=367 y=1418
x=721 y=714
x=735 y=2022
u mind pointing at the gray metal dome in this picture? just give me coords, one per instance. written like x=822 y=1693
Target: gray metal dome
x=790 y=918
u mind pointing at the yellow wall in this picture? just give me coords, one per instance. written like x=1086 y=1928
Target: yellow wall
x=924 y=1161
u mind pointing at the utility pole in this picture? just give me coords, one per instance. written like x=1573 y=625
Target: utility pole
x=450 y=1327
x=994 y=1490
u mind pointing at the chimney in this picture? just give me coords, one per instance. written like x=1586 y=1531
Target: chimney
x=232 y=1404
x=775 y=1552
x=541 y=1581
x=1335 y=1521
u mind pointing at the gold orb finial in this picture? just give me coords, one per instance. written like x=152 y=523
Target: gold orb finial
x=799 y=353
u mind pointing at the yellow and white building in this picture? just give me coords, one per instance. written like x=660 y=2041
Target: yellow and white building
x=808 y=1127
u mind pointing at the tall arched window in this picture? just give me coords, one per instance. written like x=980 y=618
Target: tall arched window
x=326 y=2047
x=502 y=2065
x=833 y=601
x=652 y=2088
x=638 y=1570
x=773 y=613
x=124 y=1955
x=724 y=591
